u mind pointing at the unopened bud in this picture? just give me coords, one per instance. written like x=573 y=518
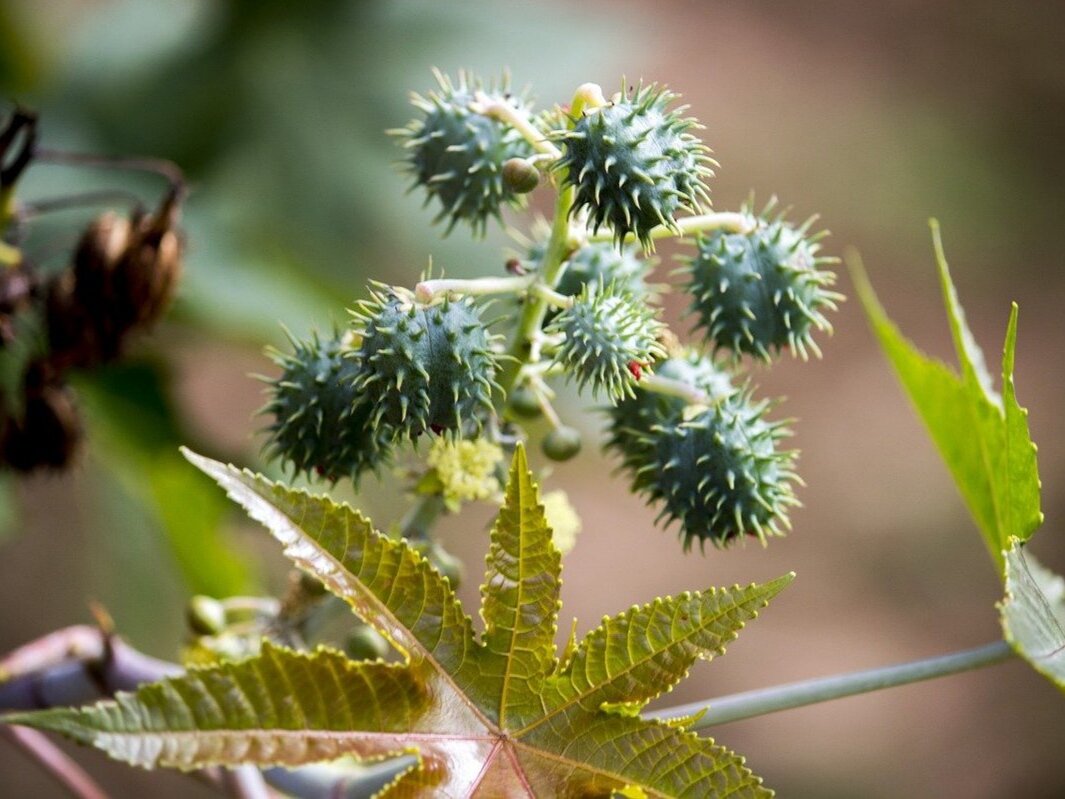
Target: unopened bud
x=520 y=176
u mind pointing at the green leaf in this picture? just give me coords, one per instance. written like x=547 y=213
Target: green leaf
x=520 y=597
x=490 y=716
x=1033 y=613
x=982 y=437
x=282 y=707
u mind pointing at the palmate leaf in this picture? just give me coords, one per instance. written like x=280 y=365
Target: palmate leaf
x=496 y=715
x=983 y=437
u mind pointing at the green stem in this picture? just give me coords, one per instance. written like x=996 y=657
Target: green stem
x=728 y=221
x=550 y=296
x=532 y=315
x=508 y=114
x=797 y=694
x=420 y=518
x=428 y=290
x=673 y=388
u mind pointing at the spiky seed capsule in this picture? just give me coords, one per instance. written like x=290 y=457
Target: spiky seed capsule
x=321 y=425
x=757 y=293
x=633 y=419
x=720 y=474
x=634 y=165
x=457 y=155
x=605 y=333
x=520 y=176
x=593 y=263
x=562 y=443
x=426 y=366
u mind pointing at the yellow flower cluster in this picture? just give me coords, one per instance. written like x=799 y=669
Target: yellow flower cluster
x=563 y=520
x=466 y=469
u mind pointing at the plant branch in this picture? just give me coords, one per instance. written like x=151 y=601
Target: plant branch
x=728 y=221
x=83 y=663
x=428 y=290
x=672 y=388
x=508 y=114
x=54 y=761
x=797 y=694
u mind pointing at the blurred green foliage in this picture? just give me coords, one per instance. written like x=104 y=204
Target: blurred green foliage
x=276 y=111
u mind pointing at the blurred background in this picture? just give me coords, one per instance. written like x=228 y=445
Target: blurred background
x=876 y=116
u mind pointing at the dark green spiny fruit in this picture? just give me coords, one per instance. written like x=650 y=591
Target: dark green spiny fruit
x=425 y=366
x=634 y=165
x=759 y=292
x=633 y=418
x=457 y=154
x=562 y=443
x=609 y=338
x=720 y=474
x=321 y=426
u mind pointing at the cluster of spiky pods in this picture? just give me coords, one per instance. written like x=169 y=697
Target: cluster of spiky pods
x=626 y=171
x=116 y=283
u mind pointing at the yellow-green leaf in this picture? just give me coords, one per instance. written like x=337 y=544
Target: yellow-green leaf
x=1033 y=613
x=497 y=717
x=983 y=437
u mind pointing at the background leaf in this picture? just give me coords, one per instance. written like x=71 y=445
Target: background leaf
x=1033 y=613
x=982 y=437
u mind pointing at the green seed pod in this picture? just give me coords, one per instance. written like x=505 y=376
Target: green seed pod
x=426 y=366
x=205 y=615
x=524 y=402
x=562 y=443
x=321 y=426
x=443 y=561
x=633 y=418
x=457 y=155
x=520 y=176
x=720 y=474
x=593 y=263
x=609 y=338
x=365 y=643
x=634 y=165
x=756 y=293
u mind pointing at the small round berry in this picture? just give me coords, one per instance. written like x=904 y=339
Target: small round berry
x=205 y=615
x=449 y=566
x=520 y=175
x=634 y=165
x=525 y=403
x=365 y=643
x=756 y=293
x=456 y=154
x=562 y=443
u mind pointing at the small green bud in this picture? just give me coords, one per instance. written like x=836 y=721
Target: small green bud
x=365 y=643
x=205 y=615
x=525 y=403
x=562 y=443
x=520 y=176
x=444 y=562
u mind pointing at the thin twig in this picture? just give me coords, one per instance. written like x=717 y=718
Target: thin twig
x=797 y=694
x=54 y=761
